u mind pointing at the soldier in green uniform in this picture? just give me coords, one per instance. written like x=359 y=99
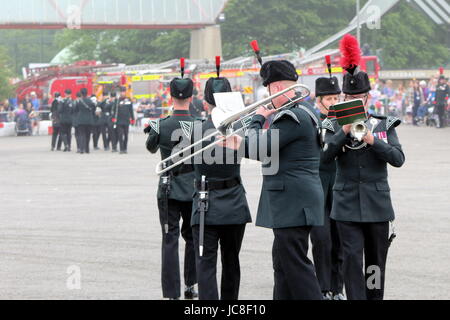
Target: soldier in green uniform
x=66 y=114
x=175 y=191
x=123 y=116
x=325 y=239
x=105 y=118
x=291 y=200
x=362 y=204
x=75 y=116
x=226 y=210
x=56 y=120
x=96 y=127
x=112 y=128
x=85 y=109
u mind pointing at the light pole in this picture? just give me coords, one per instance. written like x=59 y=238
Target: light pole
x=358 y=31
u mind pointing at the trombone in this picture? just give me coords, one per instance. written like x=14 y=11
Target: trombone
x=225 y=129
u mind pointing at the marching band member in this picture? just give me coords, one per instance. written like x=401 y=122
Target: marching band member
x=362 y=204
x=220 y=212
x=291 y=200
x=175 y=190
x=325 y=239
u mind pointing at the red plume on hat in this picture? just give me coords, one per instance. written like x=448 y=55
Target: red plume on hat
x=182 y=66
x=218 y=65
x=441 y=71
x=255 y=48
x=328 y=62
x=351 y=53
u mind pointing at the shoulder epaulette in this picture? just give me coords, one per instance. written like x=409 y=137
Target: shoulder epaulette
x=392 y=121
x=327 y=124
x=287 y=113
x=379 y=117
x=187 y=127
x=154 y=124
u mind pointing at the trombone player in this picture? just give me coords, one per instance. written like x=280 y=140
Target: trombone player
x=362 y=205
x=291 y=200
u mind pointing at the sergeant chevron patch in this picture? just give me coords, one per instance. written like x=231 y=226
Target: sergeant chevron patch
x=186 y=126
x=154 y=124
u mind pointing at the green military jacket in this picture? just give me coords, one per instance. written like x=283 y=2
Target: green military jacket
x=361 y=192
x=165 y=135
x=66 y=111
x=85 y=111
x=226 y=206
x=122 y=110
x=293 y=195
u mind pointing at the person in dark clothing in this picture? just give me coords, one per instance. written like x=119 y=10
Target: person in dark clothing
x=325 y=241
x=104 y=118
x=85 y=109
x=96 y=127
x=175 y=193
x=112 y=108
x=227 y=210
x=196 y=107
x=291 y=200
x=56 y=119
x=417 y=100
x=123 y=116
x=362 y=206
x=75 y=116
x=66 y=113
x=442 y=98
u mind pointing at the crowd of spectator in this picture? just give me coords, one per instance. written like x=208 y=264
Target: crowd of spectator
x=414 y=104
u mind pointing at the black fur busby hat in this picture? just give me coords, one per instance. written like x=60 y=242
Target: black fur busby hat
x=181 y=88
x=327 y=85
x=355 y=81
x=273 y=71
x=216 y=85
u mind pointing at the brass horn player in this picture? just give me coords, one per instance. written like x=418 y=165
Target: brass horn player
x=362 y=206
x=291 y=200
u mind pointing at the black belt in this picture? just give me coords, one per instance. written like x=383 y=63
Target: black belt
x=220 y=184
x=184 y=169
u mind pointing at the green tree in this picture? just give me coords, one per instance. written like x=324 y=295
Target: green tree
x=282 y=26
x=28 y=46
x=6 y=88
x=125 y=46
x=408 y=39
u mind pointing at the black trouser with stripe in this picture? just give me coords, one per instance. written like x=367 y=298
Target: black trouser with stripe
x=294 y=275
x=371 y=241
x=170 y=269
x=66 y=132
x=230 y=239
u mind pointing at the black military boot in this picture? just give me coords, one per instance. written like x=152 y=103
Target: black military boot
x=190 y=293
